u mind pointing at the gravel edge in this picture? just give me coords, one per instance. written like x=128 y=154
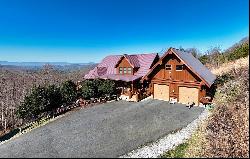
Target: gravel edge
x=168 y=142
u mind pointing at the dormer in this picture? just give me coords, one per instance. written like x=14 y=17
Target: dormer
x=127 y=65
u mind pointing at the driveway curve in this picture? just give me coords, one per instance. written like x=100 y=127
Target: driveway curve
x=105 y=130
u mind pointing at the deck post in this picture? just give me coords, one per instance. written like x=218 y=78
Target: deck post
x=132 y=87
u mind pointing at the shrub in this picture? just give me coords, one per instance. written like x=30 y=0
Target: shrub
x=54 y=97
x=107 y=87
x=88 y=89
x=39 y=101
x=97 y=88
x=68 y=91
x=33 y=104
x=203 y=59
x=221 y=79
x=238 y=52
x=96 y=84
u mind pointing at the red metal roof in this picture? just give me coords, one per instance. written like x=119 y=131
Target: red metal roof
x=133 y=60
x=106 y=69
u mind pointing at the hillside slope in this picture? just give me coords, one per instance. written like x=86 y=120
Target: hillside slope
x=227 y=67
x=226 y=131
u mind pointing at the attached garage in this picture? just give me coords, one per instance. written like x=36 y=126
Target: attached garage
x=187 y=95
x=178 y=75
x=161 y=92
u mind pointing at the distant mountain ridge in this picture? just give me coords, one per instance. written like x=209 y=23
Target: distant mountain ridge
x=62 y=66
x=41 y=63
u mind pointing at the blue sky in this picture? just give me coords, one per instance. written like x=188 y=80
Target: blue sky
x=88 y=30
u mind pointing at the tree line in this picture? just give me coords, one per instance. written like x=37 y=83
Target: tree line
x=215 y=56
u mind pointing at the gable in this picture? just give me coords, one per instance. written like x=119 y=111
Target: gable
x=160 y=72
x=123 y=66
x=123 y=62
x=193 y=66
x=196 y=66
x=131 y=59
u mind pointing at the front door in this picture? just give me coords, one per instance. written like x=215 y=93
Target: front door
x=173 y=90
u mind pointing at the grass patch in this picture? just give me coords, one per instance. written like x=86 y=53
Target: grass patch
x=178 y=152
x=192 y=148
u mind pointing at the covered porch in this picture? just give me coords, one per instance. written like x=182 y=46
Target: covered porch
x=129 y=87
x=133 y=90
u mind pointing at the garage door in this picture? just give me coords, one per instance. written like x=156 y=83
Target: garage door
x=188 y=95
x=161 y=92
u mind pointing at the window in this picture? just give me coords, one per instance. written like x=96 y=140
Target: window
x=120 y=70
x=125 y=70
x=129 y=70
x=168 y=67
x=179 y=67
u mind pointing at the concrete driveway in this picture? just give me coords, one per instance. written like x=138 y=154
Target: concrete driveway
x=105 y=130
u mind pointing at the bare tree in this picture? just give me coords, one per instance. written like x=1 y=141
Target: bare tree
x=196 y=53
x=15 y=84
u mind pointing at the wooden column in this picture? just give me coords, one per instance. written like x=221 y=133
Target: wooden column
x=132 y=87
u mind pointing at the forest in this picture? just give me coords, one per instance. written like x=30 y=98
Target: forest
x=16 y=83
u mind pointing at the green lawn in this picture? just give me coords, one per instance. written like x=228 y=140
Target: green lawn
x=178 y=152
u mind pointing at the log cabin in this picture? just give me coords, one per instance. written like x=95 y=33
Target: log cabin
x=176 y=75
x=126 y=70
x=179 y=76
